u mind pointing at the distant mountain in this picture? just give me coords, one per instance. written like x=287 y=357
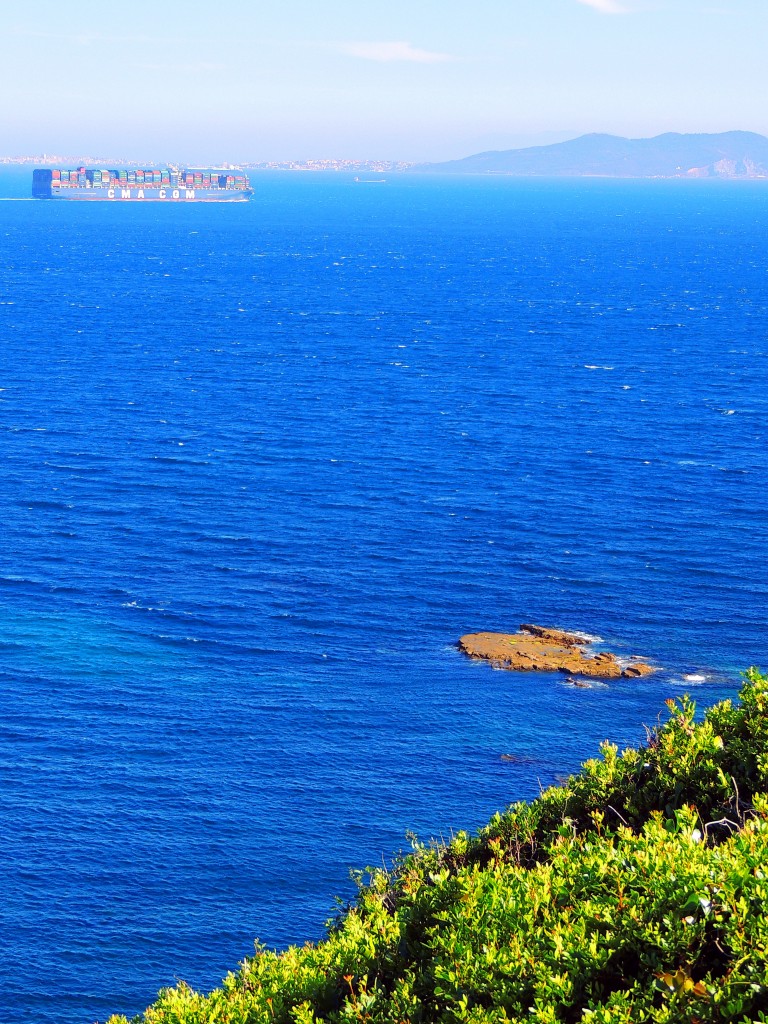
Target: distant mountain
x=727 y=155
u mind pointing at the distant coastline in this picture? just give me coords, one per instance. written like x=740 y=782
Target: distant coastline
x=335 y=165
x=734 y=155
x=727 y=155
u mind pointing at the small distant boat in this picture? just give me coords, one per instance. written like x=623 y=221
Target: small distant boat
x=371 y=181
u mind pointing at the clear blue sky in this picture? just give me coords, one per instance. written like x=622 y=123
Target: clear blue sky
x=405 y=79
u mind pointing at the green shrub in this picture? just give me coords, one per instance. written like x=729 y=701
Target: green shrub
x=637 y=891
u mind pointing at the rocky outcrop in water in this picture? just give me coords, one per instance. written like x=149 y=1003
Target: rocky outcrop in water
x=539 y=649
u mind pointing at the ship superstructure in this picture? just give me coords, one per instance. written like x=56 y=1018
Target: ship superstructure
x=164 y=185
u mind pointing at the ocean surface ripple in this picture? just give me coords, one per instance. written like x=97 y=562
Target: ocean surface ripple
x=263 y=464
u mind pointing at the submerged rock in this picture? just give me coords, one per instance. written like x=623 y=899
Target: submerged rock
x=582 y=684
x=539 y=649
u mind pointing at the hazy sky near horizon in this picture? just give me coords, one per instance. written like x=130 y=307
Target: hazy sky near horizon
x=406 y=79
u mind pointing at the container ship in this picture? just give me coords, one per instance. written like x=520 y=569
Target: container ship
x=168 y=185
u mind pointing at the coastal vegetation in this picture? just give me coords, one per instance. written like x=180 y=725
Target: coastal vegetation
x=635 y=891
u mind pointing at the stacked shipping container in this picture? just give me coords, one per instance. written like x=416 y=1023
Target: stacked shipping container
x=142 y=178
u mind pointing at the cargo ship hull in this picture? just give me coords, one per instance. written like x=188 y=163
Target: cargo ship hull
x=167 y=195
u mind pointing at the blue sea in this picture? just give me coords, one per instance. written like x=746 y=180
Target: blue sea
x=261 y=465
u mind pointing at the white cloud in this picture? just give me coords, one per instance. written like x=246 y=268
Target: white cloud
x=605 y=6
x=392 y=52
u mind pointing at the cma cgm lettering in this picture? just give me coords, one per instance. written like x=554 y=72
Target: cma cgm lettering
x=150 y=193
x=163 y=185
